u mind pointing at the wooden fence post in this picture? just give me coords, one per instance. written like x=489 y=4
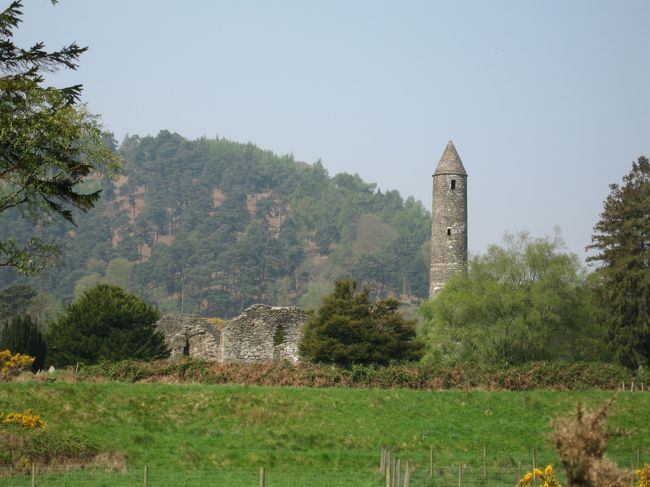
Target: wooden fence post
x=534 y=460
x=398 y=473
x=262 y=477
x=407 y=474
x=146 y=476
x=460 y=475
x=431 y=462
x=382 y=461
x=33 y=475
x=389 y=472
x=484 y=462
x=395 y=472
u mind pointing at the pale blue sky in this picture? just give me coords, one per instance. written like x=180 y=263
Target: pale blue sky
x=547 y=102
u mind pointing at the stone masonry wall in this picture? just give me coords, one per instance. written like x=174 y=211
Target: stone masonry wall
x=448 y=229
x=264 y=333
x=261 y=333
x=189 y=335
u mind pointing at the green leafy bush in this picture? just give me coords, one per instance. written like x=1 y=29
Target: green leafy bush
x=525 y=301
x=25 y=441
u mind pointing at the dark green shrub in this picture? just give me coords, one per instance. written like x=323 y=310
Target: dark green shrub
x=350 y=329
x=106 y=324
x=21 y=335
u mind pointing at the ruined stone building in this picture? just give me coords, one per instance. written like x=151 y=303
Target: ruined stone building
x=261 y=333
x=448 y=220
x=265 y=333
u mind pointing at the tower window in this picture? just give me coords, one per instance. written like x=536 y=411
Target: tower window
x=453 y=184
x=448 y=230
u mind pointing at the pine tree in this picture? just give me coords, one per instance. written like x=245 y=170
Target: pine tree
x=622 y=240
x=48 y=143
x=14 y=300
x=21 y=335
x=350 y=329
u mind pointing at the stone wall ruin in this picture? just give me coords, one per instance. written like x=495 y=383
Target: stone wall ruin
x=262 y=333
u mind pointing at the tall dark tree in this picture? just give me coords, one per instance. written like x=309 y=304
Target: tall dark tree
x=21 y=335
x=106 y=323
x=48 y=142
x=622 y=241
x=14 y=300
x=351 y=329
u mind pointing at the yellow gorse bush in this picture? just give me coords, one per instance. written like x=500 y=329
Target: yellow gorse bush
x=644 y=476
x=546 y=476
x=25 y=419
x=12 y=364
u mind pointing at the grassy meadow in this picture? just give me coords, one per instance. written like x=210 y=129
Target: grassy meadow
x=199 y=428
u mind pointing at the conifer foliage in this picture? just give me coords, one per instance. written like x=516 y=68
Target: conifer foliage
x=349 y=329
x=622 y=240
x=106 y=323
x=21 y=335
x=48 y=143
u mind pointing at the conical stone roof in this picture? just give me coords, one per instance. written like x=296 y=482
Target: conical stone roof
x=450 y=162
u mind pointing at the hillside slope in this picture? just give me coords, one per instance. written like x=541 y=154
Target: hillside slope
x=211 y=226
x=194 y=428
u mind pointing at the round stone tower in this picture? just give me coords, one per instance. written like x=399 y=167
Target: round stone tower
x=449 y=220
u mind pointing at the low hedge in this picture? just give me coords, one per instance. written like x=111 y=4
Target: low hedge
x=536 y=375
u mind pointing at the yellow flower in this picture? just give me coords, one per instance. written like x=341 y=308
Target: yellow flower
x=528 y=477
x=12 y=364
x=538 y=473
x=548 y=471
x=25 y=419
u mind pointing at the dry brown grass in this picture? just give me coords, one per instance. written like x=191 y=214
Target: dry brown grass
x=112 y=461
x=581 y=441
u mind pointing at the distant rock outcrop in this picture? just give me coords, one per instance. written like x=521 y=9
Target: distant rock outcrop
x=261 y=333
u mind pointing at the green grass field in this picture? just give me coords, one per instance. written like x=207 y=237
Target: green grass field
x=297 y=432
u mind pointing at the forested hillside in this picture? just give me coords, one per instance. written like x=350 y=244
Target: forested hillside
x=211 y=226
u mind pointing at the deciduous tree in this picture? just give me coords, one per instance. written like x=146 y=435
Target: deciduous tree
x=525 y=301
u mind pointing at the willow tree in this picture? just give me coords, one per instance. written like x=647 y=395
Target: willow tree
x=526 y=300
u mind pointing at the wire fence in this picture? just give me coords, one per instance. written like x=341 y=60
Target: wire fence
x=391 y=470
x=446 y=477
